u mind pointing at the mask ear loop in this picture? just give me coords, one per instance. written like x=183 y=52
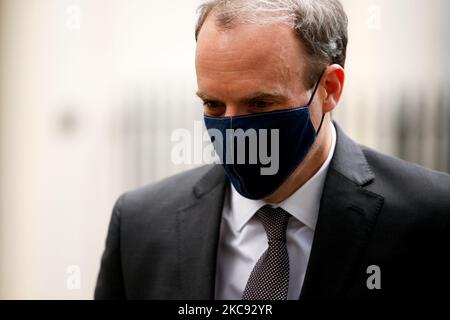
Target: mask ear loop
x=312 y=97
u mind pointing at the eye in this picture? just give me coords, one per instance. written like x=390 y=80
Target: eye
x=210 y=104
x=213 y=108
x=261 y=104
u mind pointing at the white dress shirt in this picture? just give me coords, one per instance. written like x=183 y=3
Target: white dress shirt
x=243 y=239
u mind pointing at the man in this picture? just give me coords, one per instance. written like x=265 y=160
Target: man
x=335 y=221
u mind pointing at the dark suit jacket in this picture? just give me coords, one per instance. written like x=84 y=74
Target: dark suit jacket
x=375 y=210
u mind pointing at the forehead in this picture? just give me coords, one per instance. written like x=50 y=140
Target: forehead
x=270 y=48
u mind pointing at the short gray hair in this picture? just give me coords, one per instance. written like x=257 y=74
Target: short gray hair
x=320 y=25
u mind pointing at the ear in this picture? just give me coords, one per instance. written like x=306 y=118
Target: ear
x=333 y=82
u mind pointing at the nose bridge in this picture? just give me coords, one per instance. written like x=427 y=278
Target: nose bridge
x=233 y=109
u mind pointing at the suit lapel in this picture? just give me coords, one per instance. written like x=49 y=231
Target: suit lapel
x=346 y=217
x=198 y=226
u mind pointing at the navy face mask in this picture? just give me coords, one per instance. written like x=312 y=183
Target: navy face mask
x=260 y=151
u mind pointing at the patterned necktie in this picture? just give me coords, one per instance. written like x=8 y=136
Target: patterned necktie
x=269 y=279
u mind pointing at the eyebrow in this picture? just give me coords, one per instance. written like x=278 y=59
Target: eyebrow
x=252 y=97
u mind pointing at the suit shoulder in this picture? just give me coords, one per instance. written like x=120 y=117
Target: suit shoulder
x=396 y=176
x=172 y=190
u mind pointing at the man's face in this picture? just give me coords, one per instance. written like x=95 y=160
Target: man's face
x=249 y=69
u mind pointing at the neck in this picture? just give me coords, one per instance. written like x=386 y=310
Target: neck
x=307 y=168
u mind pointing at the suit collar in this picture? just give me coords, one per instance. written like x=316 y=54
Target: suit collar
x=347 y=215
x=350 y=161
x=213 y=177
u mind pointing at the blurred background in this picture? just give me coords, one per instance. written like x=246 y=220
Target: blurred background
x=92 y=90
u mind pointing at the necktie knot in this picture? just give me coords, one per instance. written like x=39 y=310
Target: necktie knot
x=275 y=221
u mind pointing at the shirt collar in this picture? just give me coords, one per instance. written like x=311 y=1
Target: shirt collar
x=303 y=204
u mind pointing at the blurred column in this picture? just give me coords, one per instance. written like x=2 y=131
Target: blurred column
x=23 y=70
